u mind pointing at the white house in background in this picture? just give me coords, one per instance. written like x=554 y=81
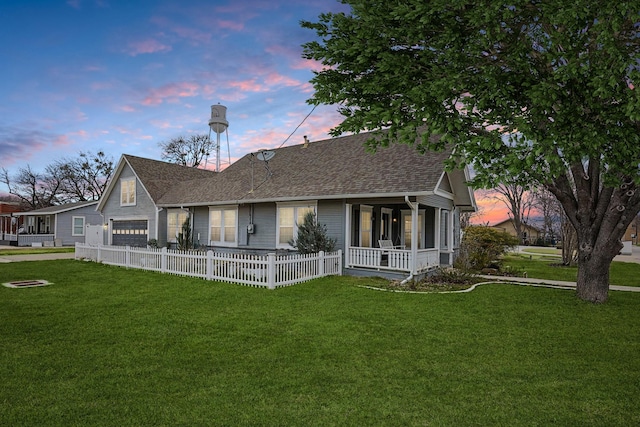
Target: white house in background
x=396 y=198
x=62 y=225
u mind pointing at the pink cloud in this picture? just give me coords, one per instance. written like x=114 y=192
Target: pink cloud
x=62 y=141
x=163 y=124
x=248 y=86
x=171 y=93
x=93 y=68
x=230 y=25
x=146 y=46
x=275 y=79
x=101 y=85
x=307 y=64
x=127 y=109
x=189 y=33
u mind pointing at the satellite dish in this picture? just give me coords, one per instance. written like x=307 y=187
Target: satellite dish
x=265 y=155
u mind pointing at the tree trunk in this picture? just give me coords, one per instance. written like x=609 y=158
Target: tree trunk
x=593 y=271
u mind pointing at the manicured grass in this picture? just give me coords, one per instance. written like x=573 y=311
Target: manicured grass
x=543 y=251
x=107 y=346
x=30 y=250
x=621 y=273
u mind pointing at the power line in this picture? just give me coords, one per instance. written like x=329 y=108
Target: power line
x=297 y=127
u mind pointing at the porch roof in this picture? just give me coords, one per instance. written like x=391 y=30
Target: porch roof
x=337 y=167
x=52 y=210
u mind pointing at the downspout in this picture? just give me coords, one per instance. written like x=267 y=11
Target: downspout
x=158 y=210
x=413 y=242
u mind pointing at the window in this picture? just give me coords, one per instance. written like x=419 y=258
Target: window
x=444 y=226
x=175 y=219
x=128 y=192
x=289 y=216
x=77 y=224
x=223 y=223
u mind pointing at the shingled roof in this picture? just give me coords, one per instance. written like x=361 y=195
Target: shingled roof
x=334 y=168
x=157 y=177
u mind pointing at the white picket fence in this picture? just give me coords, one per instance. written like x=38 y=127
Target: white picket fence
x=270 y=271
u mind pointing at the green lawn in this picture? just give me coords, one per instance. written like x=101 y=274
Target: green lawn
x=621 y=273
x=107 y=346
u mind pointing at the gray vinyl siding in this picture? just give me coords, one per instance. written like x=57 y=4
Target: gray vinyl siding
x=436 y=201
x=264 y=223
x=200 y=225
x=144 y=208
x=64 y=223
x=331 y=213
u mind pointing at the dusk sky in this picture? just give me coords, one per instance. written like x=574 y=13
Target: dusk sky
x=122 y=76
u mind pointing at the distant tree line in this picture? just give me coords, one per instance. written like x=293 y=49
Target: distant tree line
x=75 y=179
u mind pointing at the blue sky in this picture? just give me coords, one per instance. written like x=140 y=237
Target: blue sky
x=122 y=76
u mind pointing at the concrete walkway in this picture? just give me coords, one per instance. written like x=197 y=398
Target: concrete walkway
x=551 y=283
x=633 y=257
x=34 y=257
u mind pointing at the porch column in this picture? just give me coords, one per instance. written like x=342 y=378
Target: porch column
x=347 y=234
x=438 y=230
x=414 y=234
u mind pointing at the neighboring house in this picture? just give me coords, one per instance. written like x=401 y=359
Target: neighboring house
x=256 y=204
x=530 y=234
x=9 y=223
x=62 y=225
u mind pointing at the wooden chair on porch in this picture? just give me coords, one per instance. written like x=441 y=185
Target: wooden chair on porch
x=386 y=244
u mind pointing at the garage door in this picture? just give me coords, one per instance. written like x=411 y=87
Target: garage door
x=130 y=233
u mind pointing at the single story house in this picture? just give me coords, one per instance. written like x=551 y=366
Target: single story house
x=62 y=225
x=9 y=223
x=396 y=198
x=530 y=234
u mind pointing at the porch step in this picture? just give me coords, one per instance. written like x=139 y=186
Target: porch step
x=364 y=272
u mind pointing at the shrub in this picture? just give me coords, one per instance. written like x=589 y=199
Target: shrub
x=312 y=237
x=481 y=246
x=185 y=238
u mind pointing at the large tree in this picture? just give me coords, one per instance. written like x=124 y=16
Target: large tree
x=74 y=179
x=192 y=150
x=542 y=88
x=85 y=176
x=35 y=190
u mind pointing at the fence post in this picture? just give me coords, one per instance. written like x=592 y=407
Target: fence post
x=209 y=265
x=271 y=271
x=99 y=254
x=339 y=262
x=127 y=257
x=163 y=260
x=321 y=264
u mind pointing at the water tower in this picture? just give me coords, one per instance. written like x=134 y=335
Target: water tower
x=218 y=123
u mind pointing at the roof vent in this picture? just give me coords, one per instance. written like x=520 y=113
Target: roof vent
x=306 y=142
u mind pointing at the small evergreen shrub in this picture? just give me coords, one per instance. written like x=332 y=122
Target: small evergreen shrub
x=312 y=236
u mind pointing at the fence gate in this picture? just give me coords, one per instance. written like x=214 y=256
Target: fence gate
x=94 y=235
